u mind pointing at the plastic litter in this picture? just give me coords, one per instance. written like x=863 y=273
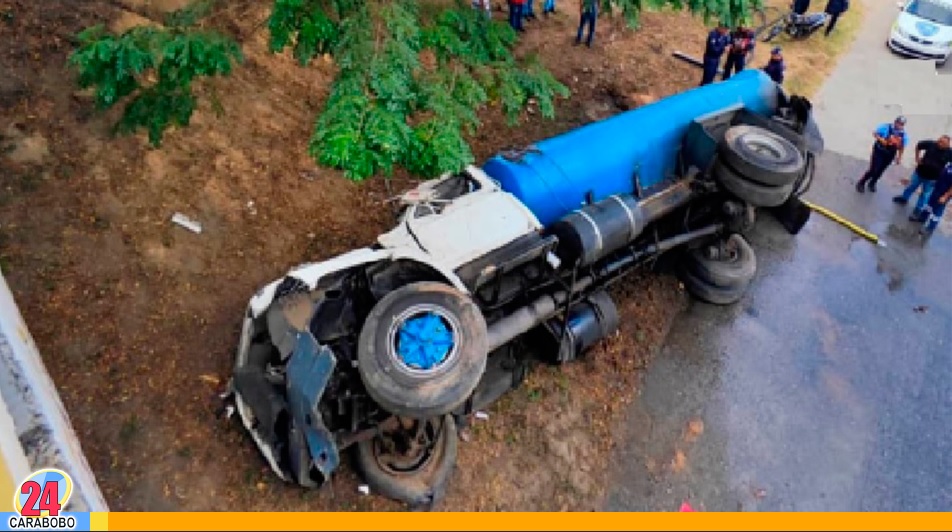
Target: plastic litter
x=481 y=415
x=186 y=222
x=685 y=507
x=363 y=489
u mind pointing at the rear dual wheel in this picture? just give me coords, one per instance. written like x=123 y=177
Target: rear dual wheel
x=719 y=272
x=758 y=166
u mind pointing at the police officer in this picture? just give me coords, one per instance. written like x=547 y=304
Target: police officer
x=891 y=140
x=718 y=41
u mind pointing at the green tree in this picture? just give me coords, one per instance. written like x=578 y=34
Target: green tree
x=412 y=76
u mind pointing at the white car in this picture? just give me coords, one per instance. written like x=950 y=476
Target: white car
x=923 y=30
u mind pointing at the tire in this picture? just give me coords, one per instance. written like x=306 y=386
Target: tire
x=761 y=155
x=738 y=270
x=753 y=193
x=422 y=392
x=708 y=293
x=424 y=482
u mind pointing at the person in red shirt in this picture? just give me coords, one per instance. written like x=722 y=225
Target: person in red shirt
x=742 y=48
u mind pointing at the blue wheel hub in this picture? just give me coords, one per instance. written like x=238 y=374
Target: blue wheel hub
x=424 y=341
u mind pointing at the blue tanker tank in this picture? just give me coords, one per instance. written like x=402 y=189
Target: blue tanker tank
x=603 y=158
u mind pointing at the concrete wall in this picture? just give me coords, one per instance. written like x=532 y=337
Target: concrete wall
x=35 y=431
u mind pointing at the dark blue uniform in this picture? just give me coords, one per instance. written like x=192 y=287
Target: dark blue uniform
x=716 y=44
x=775 y=69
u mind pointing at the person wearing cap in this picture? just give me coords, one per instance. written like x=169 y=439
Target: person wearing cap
x=891 y=140
x=718 y=42
x=742 y=48
x=775 y=66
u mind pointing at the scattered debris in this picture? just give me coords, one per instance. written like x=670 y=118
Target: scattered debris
x=211 y=379
x=481 y=415
x=186 y=222
x=309 y=176
x=759 y=493
x=920 y=308
x=363 y=489
x=685 y=507
x=251 y=208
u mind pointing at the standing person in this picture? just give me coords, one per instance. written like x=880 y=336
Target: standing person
x=588 y=12
x=528 y=12
x=800 y=6
x=742 y=48
x=941 y=194
x=931 y=157
x=891 y=140
x=515 y=14
x=718 y=41
x=835 y=8
x=776 y=67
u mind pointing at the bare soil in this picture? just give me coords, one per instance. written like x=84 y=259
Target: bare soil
x=138 y=318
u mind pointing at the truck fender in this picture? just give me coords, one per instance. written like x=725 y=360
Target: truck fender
x=311 y=273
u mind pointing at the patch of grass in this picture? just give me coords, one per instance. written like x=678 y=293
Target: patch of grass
x=810 y=61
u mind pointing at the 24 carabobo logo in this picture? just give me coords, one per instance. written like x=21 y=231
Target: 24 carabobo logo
x=44 y=493
x=40 y=500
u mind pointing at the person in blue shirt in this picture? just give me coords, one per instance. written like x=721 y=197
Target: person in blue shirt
x=941 y=194
x=776 y=67
x=891 y=140
x=718 y=42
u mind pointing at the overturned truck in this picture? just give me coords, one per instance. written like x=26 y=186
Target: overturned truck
x=381 y=352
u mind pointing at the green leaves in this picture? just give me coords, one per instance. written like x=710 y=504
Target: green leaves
x=411 y=82
x=156 y=67
x=387 y=110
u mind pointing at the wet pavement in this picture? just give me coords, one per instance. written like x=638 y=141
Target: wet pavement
x=829 y=386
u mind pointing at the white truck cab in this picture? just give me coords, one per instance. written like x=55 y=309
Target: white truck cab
x=923 y=29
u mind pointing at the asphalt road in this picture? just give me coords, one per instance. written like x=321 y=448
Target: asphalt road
x=829 y=387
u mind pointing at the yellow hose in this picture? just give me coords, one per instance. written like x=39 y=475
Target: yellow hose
x=842 y=221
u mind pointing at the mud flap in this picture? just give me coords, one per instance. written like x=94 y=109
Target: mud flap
x=792 y=214
x=308 y=372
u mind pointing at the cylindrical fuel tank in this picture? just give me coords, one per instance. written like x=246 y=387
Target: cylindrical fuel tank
x=589 y=321
x=605 y=158
x=596 y=230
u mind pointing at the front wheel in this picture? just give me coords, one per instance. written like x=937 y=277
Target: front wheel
x=422 y=350
x=412 y=461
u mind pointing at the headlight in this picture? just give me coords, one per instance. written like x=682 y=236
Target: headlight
x=898 y=30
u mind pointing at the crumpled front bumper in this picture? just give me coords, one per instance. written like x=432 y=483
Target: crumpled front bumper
x=283 y=417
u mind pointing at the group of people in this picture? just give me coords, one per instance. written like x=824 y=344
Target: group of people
x=522 y=10
x=738 y=45
x=932 y=176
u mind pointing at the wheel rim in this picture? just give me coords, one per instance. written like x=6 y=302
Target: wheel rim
x=408 y=449
x=765 y=146
x=424 y=339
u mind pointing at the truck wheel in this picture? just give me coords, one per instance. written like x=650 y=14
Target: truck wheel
x=761 y=155
x=756 y=194
x=413 y=463
x=716 y=295
x=727 y=264
x=422 y=350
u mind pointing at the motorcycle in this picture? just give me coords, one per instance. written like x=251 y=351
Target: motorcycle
x=797 y=26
